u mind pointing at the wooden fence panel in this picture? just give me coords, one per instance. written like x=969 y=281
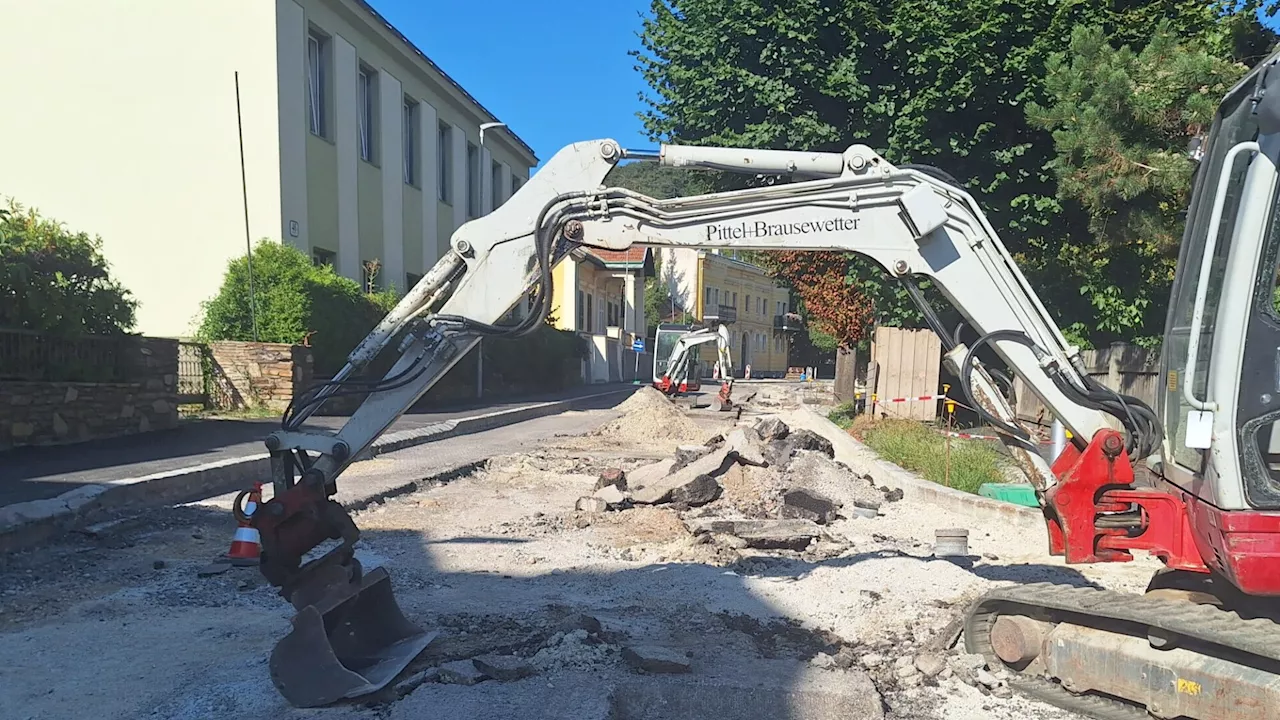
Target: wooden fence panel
x=1127 y=369
x=908 y=364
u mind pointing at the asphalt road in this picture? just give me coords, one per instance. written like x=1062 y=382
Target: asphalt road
x=36 y=473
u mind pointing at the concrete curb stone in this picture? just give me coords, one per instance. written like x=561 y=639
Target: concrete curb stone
x=914 y=486
x=25 y=524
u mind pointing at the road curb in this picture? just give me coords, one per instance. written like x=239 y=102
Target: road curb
x=23 y=525
x=916 y=487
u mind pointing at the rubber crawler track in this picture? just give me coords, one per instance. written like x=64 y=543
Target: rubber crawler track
x=1259 y=637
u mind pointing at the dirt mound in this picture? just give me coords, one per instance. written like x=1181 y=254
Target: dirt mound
x=648 y=415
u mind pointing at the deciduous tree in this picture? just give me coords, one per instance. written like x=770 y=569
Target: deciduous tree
x=57 y=281
x=943 y=83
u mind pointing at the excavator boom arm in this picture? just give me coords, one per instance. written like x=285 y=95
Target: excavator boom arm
x=912 y=222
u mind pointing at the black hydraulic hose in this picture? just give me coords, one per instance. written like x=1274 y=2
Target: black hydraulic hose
x=930 y=316
x=966 y=383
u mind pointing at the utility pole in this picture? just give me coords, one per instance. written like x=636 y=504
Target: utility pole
x=244 y=190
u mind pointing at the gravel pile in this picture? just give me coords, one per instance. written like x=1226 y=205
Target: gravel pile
x=648 y=415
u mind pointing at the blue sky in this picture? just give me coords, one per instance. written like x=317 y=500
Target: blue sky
x=557 y=72
x=556 y=75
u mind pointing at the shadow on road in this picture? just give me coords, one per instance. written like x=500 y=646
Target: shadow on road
x=745 y=661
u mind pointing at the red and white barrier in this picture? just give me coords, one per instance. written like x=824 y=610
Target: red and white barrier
x=922 y=398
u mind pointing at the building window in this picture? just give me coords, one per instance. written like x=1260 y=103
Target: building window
x=515 y=184
x=760 y=303
x=409 y=140
x=444 y=161
x=746 y=304
x=317 y=79
x=321 y=257
x=410 y=280
x=706 y=297
x=365 y=115
x=735 y=300
x=582 y=304
x=495 y=184
x=473 y=180
x=590 y=314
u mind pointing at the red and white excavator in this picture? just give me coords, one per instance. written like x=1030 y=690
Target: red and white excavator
x=1194 y=482
x=676 y=372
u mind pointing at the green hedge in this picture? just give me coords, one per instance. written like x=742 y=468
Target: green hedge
x=297 y=302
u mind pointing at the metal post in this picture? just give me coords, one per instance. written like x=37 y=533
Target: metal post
x=1059 y=435
x=480 y=370
x=244 y=190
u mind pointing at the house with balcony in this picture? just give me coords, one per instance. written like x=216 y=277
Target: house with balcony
x=718 y=288
x=600 y=295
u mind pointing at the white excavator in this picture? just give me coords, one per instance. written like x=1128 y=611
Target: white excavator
x=675 y=374
x=1195 y=483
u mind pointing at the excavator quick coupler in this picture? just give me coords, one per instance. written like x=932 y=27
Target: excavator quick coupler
x=349 y=636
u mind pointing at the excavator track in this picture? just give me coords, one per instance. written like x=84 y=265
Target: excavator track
x=1257 y=641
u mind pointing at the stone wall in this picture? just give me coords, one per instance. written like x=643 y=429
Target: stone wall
x=49 y=413
x=258 y=375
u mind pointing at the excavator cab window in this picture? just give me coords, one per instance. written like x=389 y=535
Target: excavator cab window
x=663 y=344
x=1258 y=404
x=1234 y=124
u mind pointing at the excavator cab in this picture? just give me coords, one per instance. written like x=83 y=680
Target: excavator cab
x=1220 y=403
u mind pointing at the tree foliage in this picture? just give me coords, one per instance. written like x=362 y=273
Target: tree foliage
x=53 y=280
x=1120 y=121
x=838 y=311
x=661 y=183
x=943 y=83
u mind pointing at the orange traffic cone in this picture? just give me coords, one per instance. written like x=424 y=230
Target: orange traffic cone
x=246 y=545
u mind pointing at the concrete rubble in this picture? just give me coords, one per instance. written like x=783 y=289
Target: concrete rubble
x=636 y=564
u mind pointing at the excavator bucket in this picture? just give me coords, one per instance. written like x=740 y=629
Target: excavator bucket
x=351 y=642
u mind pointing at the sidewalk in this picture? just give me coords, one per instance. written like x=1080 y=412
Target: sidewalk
x=38 y=473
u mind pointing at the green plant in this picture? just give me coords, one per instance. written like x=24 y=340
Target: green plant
x=843 y=415
x=295 y=301
x=56 y=281
x=917 y=448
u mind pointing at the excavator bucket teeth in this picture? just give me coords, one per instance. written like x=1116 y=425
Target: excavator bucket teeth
x=347 y=646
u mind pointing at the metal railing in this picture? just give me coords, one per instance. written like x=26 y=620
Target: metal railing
x=195 y=374
x=26 y=355
x=725 y=314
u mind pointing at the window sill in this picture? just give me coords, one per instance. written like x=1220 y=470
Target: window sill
x=318 y=136
x=371 y=162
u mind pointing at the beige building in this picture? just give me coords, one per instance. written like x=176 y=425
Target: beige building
x=357 y=147
x=717 y=287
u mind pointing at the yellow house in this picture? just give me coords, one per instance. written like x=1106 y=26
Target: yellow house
x=718 y=288
x=357 y=147
x=600 y=295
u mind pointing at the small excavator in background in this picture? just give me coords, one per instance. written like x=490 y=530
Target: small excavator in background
x=678 y=372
